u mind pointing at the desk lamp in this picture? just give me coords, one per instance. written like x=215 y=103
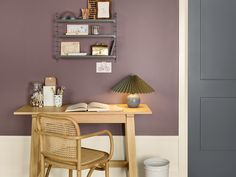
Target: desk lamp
x=133 y=85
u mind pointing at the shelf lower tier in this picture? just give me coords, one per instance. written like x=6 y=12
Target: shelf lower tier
x=86 y=57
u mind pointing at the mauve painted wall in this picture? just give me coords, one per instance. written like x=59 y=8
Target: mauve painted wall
x=147 y=46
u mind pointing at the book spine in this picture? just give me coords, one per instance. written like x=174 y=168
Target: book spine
x=112 y=47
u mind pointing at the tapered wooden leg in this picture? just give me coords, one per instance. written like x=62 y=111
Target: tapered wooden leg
x=34 y=152
x=130 y=145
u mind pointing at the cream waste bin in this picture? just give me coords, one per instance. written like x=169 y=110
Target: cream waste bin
x=156 y=167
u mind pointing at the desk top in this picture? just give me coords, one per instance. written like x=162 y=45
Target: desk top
x=29 y=110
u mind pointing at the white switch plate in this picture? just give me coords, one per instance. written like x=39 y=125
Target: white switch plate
x=103 y=67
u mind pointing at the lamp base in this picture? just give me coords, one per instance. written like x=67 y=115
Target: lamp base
x=133 y=100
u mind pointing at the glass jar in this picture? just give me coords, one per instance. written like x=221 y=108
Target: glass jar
x=95 y=29
x=36 y=98
x=37 y=86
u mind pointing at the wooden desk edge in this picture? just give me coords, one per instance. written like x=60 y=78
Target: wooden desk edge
x=28 y=110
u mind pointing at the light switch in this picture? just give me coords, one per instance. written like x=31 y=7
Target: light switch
x=103 y=67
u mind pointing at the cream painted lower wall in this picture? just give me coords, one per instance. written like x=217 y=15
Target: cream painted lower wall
x=14 y=154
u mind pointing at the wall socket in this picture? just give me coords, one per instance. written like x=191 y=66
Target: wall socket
x=103 y=67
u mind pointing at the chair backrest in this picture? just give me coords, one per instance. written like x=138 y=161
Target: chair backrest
x=56 y=137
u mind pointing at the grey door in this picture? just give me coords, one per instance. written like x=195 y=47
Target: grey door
x=212 y=88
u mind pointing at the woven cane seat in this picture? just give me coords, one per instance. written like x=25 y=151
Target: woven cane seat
x=88 y=157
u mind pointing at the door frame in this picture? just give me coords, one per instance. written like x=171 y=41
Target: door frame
x=183 y=88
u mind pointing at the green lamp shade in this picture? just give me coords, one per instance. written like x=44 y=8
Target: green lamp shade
x=132 y=85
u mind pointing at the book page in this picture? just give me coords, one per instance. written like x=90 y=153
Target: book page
x=77 y=107
x=92 y=107
x=96 y=106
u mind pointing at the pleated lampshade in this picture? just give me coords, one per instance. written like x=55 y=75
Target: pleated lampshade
x=132 y=85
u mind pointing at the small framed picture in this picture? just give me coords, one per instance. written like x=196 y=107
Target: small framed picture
x=103 y=9
x=99 y=49
x=77 y=29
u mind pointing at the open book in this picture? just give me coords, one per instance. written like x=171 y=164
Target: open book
x=92 y=107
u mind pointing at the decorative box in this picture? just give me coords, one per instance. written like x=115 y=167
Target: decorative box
x=100 y=49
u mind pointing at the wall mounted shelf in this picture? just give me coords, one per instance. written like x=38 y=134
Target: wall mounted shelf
x=86 y=40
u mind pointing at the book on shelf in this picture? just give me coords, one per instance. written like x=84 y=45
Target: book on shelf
x=70 y=47
x=112 y=48
x=75 y=29
x=92 y=107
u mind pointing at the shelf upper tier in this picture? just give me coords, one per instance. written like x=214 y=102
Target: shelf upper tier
x=86 y=20
x=86 y=56
x=89 y=36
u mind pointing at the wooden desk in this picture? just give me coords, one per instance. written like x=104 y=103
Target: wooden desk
x=126 y=117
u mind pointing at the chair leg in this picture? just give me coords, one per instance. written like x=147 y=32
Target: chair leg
x=79 y=173
x=107 y=169
x=90 y=172
x=42 y=166
x=70 y=173
x=48 y=170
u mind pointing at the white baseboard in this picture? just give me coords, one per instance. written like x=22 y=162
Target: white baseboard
x=14 y=154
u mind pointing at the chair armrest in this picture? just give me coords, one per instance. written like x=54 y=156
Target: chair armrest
x=102 y=133
x=84 y=137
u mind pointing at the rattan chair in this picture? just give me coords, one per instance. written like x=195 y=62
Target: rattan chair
x=60 y=146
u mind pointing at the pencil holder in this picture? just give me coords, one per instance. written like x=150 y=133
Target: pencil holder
x=58 y=100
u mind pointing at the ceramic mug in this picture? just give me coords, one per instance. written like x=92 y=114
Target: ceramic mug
x=58 y=100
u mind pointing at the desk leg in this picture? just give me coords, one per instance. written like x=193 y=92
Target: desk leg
x=130 y=146
x=34 y=152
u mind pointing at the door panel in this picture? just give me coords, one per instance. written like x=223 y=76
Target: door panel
x=218 y=123
x=212 y=88
x=218 y=39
